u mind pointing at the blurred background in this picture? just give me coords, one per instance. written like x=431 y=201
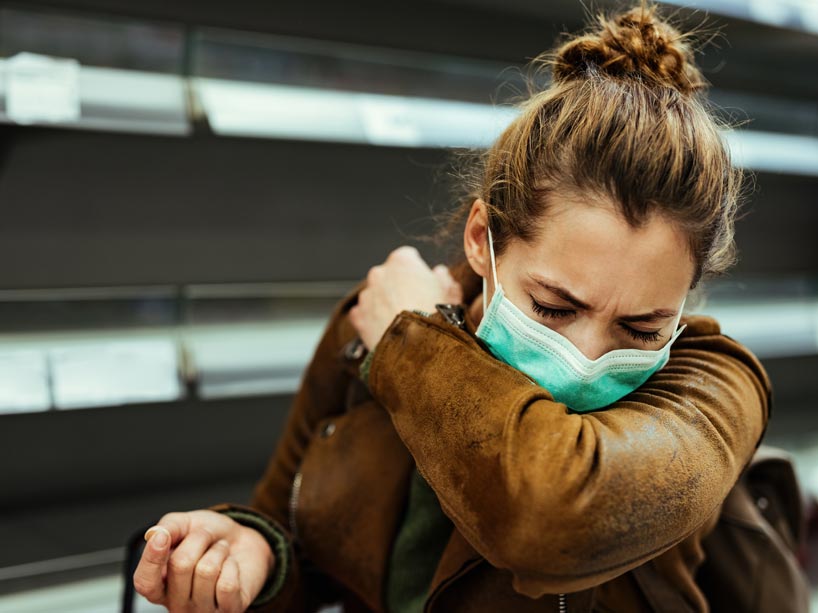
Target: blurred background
x=186 y=188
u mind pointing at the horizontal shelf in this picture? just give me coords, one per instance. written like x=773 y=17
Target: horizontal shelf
x=245 y=84
x=107 y=99
x=114 y=367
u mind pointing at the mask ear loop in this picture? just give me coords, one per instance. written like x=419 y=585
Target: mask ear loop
x=493 y=270
x=679 y=318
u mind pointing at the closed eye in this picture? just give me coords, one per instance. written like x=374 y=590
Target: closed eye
x=645 y=337
x=552 y=313
x=544 y=311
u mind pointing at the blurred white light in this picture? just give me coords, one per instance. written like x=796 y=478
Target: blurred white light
x=126 y=100
x=24 y=382
x=774 y=152
x=799 y=14
x=109 y=99
x=42 y=89
x=283 y=111
x=236 y=108
x=251 y=359
x=113 y=372
x=779 y=328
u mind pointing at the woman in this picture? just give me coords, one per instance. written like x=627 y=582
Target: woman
x=560 y=441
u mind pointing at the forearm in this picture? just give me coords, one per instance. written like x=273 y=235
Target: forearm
x=564 y=500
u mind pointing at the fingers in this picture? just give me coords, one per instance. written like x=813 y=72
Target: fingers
x=375 y=274
x=148 y=577
x=441 y=272
x=451 y=288
x=206 y=574
x=228 y=588
x=182 y=564
x=176 y=524
x=404 y=253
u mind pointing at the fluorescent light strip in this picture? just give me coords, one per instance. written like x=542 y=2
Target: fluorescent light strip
x=774 y=152
x=283 y=111
x=233 y=360
x=771 y=329
x=125 y=101
x=236 y=108
x=797 y=14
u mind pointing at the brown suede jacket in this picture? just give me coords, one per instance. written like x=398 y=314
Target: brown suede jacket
x=598 y=511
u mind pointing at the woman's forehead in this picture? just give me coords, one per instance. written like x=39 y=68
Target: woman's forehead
x=594 y=254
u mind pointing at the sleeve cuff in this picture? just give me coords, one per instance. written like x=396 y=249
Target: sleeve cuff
x=278 y=543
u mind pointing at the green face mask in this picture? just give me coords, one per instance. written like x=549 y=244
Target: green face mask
x=556 y=363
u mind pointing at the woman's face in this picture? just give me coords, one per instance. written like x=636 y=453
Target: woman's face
x=590 y=276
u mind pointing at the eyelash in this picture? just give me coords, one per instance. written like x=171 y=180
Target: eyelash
x=544 y=311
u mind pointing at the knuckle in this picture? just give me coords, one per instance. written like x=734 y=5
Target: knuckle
x=181 y=564
x=404 y=251
x=227 y=587
x=203 y=532
x=374 y=274
x=206 y=570
x=171 y=517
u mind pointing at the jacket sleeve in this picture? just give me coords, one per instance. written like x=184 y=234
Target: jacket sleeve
x=563 y=500
x=295 y=585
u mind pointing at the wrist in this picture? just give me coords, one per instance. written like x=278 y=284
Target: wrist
x=265 y=549
x=276 y=552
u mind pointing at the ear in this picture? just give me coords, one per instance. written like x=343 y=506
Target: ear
x=475 y=238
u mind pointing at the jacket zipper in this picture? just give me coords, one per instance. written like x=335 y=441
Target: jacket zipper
x=293 y=504
x=563 y=604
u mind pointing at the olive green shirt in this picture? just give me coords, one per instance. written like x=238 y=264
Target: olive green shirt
x=423 y=534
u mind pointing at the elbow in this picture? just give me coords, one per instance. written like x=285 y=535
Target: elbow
x=534 y=576
x=552 y=549
x=555 y=554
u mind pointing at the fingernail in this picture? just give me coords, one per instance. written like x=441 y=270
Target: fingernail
x=160 y=538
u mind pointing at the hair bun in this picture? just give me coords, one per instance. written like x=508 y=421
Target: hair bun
x=633 y=44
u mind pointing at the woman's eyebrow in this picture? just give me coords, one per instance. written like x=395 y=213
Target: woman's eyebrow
x=562 y=293
x=569 y=297
x=652 y=316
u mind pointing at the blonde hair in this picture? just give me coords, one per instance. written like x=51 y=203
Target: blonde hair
x=625 y=119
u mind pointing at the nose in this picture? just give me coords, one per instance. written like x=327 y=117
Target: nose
x=590 y=340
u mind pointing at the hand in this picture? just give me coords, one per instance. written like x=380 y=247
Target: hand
x=202 y=561
x=403 y=283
